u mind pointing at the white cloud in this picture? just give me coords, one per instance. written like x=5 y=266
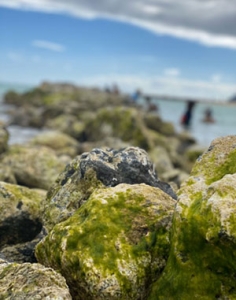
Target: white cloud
x=208 y=22
x=172 y=72
x=174 y=86
x=48 y=45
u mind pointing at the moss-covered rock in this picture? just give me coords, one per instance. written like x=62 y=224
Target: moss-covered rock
x=31 y=281
x=154 y=122
x=115 y=245
x=60 y=142
x=35 y=167
x=202 y=261
x=122 y=122
x=68 y=124
x=96 y=169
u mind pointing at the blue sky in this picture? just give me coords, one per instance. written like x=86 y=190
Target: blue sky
x=150 y=46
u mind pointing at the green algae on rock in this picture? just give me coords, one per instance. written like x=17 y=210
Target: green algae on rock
x=31 y=281
x=202 y=260
x=115 y=245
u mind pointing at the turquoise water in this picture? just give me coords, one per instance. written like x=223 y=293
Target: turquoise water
x=225 y=117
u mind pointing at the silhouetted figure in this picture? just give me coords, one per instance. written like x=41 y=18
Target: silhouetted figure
x=187 y=116
x=208 y=118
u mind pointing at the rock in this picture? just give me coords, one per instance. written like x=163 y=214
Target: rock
x=97 y=169
x=7 y=175
x=31 y=281
x=27 y=116
x=34 y=167
x=60 y=142
x=68 y=124
x=22 y=252
x=161 y=160
x=202 y=260
x=115 y=245
x=122 y=122
x=193 y=152
x=186 y=140
x=108 y=142
x=154 y=122
x=4 y=137
x=20 y=217
x=175 y=175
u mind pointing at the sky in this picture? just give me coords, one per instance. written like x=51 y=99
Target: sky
x=171 y=47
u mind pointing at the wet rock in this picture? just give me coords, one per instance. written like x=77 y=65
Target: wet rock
x=31 y=281
x=115 y=245
x=202 y=257
x=96 y=169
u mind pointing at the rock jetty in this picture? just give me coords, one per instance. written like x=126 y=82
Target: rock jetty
x=112 y=203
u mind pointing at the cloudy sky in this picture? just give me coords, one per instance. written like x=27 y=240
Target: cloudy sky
x=179 y=47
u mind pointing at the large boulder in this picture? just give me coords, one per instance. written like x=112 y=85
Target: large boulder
x=115 y=245
x=97 y=169
x=31 y=281
x=34 y=167
x=202 y=261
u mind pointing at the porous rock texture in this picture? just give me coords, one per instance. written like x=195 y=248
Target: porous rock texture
x=31 y=281
x=202 y=261
x=115 y=245
x=97 y=169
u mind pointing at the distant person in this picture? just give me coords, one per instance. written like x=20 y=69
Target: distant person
x=150 y=106
x=208 y=118
x=136 y=95
x=187 y=116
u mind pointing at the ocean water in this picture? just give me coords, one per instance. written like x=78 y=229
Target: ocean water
x=18 y=134
x=204 y=133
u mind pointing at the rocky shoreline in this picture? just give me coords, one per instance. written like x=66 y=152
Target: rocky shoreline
x=112 y=203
